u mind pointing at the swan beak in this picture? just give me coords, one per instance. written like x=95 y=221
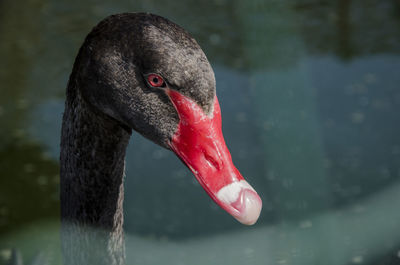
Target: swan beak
x=199 y=143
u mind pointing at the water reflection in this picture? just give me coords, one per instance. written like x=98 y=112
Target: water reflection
x=334 y=237
x=309 y=98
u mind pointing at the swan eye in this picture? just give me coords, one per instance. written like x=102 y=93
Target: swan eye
x=155 y=80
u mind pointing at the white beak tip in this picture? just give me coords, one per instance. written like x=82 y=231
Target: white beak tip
x=250 y=209
x=242 y=202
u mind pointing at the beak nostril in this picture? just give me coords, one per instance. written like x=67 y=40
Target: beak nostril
x=211 y=161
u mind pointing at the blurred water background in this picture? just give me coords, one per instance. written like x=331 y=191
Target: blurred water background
x=310 y=100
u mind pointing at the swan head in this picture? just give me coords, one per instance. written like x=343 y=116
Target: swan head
x=150 y=75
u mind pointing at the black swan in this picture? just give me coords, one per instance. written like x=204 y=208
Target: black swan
x=138 y=71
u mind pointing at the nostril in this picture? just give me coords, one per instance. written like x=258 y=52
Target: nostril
x=211 y=161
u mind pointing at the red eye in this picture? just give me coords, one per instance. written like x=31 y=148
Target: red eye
x=155 y=80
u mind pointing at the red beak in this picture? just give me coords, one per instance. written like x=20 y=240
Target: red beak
x=199 y=143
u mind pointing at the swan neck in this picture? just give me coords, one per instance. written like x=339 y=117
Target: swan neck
x=92 y=164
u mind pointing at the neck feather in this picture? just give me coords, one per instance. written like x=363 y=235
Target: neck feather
x=92 y=169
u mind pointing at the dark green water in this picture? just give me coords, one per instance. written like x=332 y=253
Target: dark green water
x=310 y=98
